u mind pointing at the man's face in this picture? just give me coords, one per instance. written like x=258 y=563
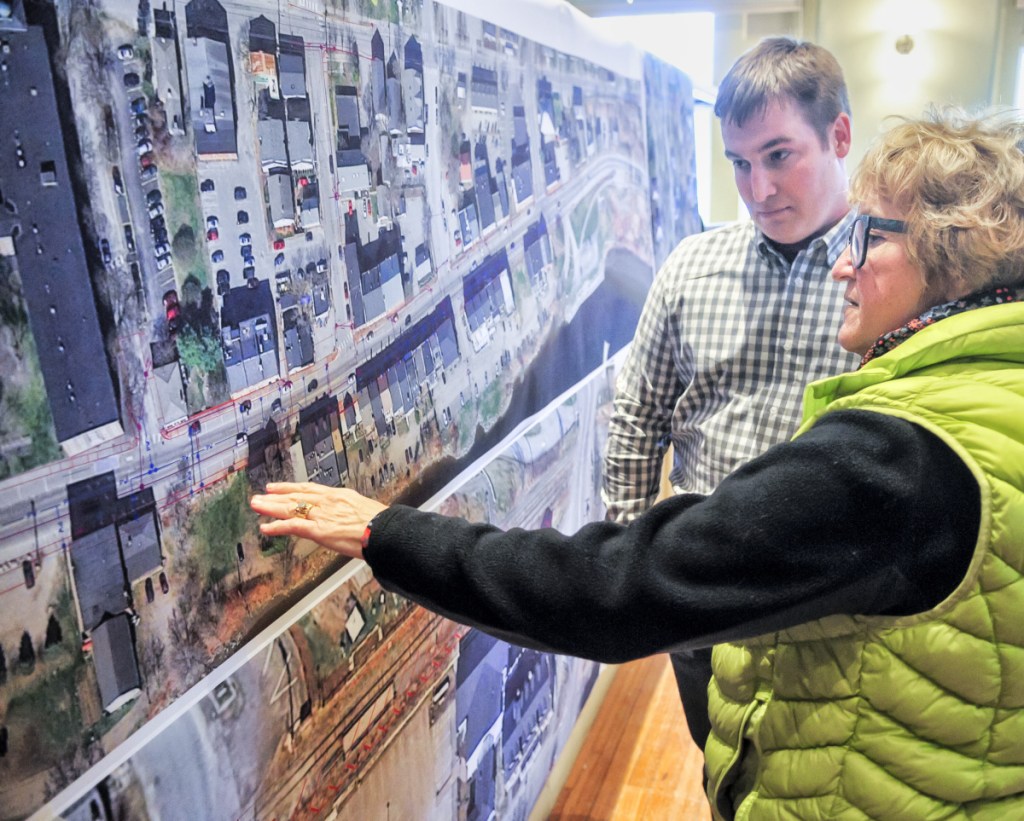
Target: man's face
x=793 y=186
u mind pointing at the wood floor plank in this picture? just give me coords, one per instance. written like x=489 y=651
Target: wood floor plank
x=638 y=760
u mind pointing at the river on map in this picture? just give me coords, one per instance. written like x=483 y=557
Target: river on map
x=609 y=316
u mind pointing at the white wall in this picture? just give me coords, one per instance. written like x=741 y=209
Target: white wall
x=965 y=53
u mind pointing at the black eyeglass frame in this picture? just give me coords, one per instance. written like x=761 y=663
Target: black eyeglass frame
x=859 y=241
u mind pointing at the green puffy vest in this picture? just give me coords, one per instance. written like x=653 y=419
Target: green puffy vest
x=918 y=717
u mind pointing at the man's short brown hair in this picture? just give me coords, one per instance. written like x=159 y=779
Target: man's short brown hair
x=779 y=69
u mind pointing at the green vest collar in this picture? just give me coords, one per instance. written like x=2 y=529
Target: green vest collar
x=995 y=331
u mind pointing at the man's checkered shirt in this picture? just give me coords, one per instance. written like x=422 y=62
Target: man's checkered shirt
x=729 y=336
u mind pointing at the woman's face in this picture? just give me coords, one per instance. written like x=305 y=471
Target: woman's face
x=886 y=292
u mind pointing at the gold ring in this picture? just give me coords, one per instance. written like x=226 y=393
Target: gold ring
x=302 y=510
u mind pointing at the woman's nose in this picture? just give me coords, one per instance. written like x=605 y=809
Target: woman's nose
x=843 y=269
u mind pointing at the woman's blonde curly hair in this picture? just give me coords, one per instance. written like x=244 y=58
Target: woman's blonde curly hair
x=958 y=183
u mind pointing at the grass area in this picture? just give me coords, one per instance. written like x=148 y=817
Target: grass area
x=490 y=401
x=584 y=221
x=467 y=425
x=273 y=545
x=27 y=407
x=24 y=408
x=184 y=219
x=520 y=284
x=327 y=653
x=50 y=707
x=219 y=525
x=506 y=478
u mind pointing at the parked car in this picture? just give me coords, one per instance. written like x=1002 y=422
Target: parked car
x=172 y=310
x=240 y=193
x=150 y=595
x=143 y=147
x=212 y=222
x=132 y=80
x=154 y=196
x=148 y=174
x=105 y=251
x=312 y=385
x=223 y=281
x=162 y=261
x=125 y=52
x=118 y=182
x=146 y=160
x=206 y=185
x=138 y=105
x=161 y=249
x=241 y=437
x=243 y=217
x=212 y=235
x=141 y=131
x=164 y=586
x=279 y=259
x=217 y=256
x=156 y=210
x=245 y=239
x=278 y=244
x=246 y=406
x=129 y=238
x=249 y=273
x=195 y=427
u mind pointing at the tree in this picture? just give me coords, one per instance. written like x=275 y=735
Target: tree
x=199 y=350
x=3 y=666
x=54 y=635
x=27 y=653
x=184 y=245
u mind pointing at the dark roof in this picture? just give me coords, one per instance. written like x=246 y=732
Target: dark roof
x=413 y=55
x=113 y=653
x=406 y=343
x=206 y=18
x=54 y=274
x=245 y=303
x=262 y=35
x=487 y=271
x=92 y=504
x=292 y=44
x=99 y=577
x=164 y=24
x=140 y=546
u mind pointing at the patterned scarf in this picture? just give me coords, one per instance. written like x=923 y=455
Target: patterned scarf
x=979 y=299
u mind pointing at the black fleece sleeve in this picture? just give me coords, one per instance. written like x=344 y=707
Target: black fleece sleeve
x=865 y=513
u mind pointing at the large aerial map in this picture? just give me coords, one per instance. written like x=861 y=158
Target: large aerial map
x=393 y=246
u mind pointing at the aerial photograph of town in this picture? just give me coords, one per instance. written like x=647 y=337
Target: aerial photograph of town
x=355 y=690
x=356 y=242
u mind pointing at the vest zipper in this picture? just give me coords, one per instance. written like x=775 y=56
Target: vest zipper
x=720 y=799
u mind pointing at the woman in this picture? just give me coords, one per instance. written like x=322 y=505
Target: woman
x=864 y=583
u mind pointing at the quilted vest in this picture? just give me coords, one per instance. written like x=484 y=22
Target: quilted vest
x=918 y=717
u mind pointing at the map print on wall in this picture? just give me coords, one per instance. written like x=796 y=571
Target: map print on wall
x=670 y=155
x=409 y=714
x=358 y=243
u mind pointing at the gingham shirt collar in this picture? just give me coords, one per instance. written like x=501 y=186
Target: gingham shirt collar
x=834 y=240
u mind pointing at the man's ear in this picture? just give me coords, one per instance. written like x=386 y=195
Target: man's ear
x=840 y=135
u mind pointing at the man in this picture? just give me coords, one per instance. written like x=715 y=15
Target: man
x=740 y=318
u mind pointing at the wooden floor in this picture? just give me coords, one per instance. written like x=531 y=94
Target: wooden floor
x=638 y=761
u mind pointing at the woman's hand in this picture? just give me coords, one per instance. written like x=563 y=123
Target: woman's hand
x=335 y=518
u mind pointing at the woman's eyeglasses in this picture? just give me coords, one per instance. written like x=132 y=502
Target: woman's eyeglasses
x=861 y=233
